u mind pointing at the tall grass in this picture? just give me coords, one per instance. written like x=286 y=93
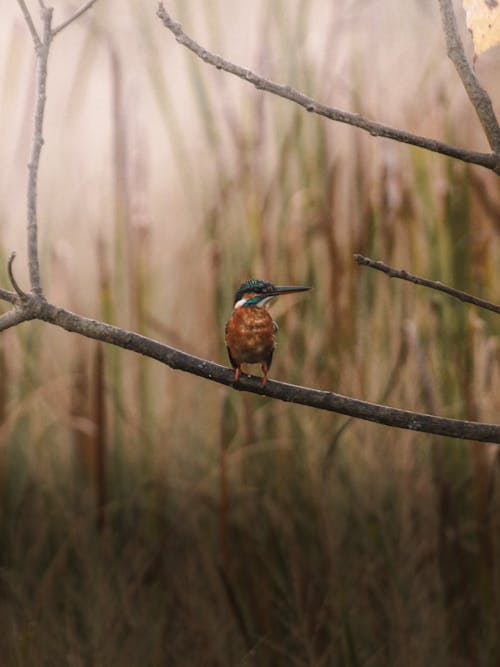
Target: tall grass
x=146 y=517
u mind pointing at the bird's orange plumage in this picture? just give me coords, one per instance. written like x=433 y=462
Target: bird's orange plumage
x=250 y=336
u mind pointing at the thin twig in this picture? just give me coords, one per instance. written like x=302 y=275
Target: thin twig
x=42 y=53
x=76 y=15
x=432 y=284
x=22 y=295
x=29 y=22
x=488 y=160
x=478 y=96
x=42 y=49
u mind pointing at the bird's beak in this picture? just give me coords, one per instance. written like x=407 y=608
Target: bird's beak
x=287 y=289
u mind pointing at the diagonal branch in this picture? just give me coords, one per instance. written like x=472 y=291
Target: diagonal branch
x=433 y=284
x=488 y=160
x=29 y=22
x=478 y=96
x=38 y=308
x=5 y=295
x=12 y=318
x=75 y=16
x=322 y=400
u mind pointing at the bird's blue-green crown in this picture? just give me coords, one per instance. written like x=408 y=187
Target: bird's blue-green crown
x=256 y=286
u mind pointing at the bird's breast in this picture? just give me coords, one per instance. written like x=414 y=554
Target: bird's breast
x=250 y=335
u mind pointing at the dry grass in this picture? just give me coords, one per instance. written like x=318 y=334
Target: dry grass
x=148 y=518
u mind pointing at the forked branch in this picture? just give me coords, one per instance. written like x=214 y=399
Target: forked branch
x=42 y=50
x=488 y=160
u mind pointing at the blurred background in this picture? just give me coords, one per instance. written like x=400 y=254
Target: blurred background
x=150 y=517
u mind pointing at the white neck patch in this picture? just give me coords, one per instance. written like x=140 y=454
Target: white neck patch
x=240 y=303
x=261 y=303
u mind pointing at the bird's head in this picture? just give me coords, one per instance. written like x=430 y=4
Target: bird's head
x=259 y=293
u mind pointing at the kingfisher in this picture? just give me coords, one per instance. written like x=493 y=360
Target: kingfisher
x=250 y=331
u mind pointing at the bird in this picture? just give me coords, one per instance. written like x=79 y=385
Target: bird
x=250 y=332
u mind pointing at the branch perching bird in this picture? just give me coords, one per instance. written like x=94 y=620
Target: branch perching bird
x=250 y=331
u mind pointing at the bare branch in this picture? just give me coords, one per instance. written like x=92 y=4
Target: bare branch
x=42 y=49
x=42 y=53
x=10 y=297
x=488 y=160
x=22 y=295
x=12 y=318
x=76 y=15
x=29 y=22
x=478 y=96
x=433 y=284
x=322 y=400
x=36 y=307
